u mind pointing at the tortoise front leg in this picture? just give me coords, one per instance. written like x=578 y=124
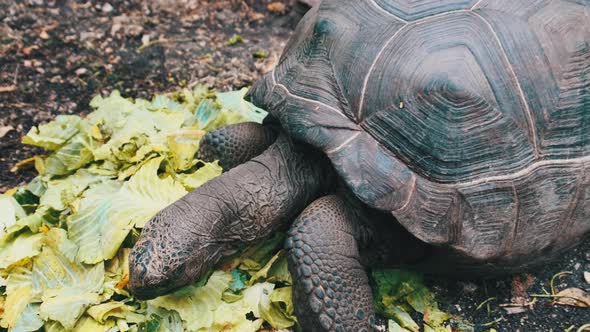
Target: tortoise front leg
x=331 y=244
x=331 y=289
x=184 y=241
x=236 y=144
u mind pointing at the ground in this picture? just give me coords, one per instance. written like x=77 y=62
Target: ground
x=56 y=55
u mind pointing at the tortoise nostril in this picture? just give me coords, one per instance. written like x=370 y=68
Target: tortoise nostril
x=142 y=267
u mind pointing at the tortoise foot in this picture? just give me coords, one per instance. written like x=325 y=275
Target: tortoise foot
x=331 y=289
x=235 y=144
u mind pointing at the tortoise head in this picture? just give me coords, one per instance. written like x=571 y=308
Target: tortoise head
x=168 y=255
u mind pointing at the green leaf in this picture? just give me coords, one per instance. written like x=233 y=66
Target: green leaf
x=206 y=114
x=162 y=102
x=260 y=54
x=200 y=176
x=107 y=175
x=279 y=271
x=403 y=318
x=183 y=148
x=161 y=320
x=399 y=289
x=52 y=270
x=20 y=277
x=235 y=39
x=19 y=293
x=25 y=246
x=29 y=319
x=66 y=288
x=235 y=105
x=96 y=233
x=32 y=222
x=278 y=311
x=57 y=239
x=10 y=211
x=66 y=306
x=145 y=194
x=114 y=309
x=257 y=256
x=392 y=326
x=61 y=193
x=142 y=132
x=202 y=308
x=76 y=153
x=109 y=115
x=196 y=305
x=275 y=270
x=88 y=324
x=15 y=305
x=54 y=134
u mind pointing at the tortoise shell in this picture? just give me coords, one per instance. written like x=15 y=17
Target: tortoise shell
x=468 y=120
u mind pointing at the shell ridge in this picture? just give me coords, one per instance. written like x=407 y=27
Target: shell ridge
x=476 y=5
x=370 y=71
x=294 y=96
x=527 y=170
x=455 y=214
x=528 y=114
x=568 y=218
x=344 y=103
x=386 y=12
x=411 y=193
x=344 y=144
x=514 y=235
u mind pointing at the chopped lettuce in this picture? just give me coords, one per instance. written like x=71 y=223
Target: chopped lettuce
x=29 y=319
x=195 y=179
x=65 y=237
x=399 y=293
x=236 y=107
x=23 y=247
x=53 y=135
x=278 y=310
x=19 y=292
x=115 y=309
x=204 y=309
x=66 y=287
x=69 y=157
x=10 y=211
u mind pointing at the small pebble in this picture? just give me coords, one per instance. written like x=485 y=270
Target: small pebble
x=277 y=7
x=469 y=287
x=107 y=8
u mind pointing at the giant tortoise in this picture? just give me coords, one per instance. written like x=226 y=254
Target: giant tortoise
x=445 y=135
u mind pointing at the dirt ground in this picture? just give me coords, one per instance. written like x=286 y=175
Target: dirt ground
x=56 y=55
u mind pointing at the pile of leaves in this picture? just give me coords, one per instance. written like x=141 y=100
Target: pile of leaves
x=65 y=237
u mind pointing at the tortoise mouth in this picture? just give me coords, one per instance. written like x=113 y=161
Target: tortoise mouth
x=145 y=286
x=148 y=293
